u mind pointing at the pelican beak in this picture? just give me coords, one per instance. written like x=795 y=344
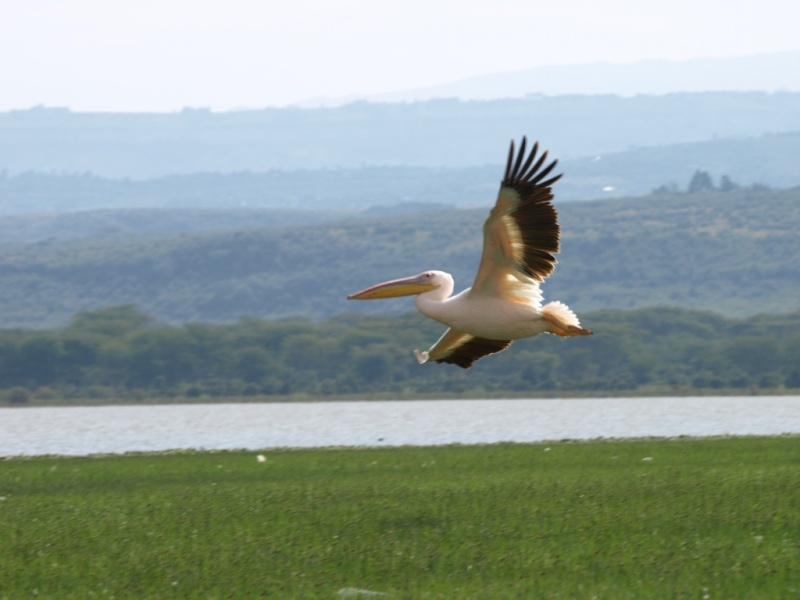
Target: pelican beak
x=397 y=287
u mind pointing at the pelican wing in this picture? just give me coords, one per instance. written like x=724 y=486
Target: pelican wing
x=521 y=233
x=463 y=349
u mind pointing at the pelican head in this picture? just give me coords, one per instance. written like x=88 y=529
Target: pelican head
x=408 y=286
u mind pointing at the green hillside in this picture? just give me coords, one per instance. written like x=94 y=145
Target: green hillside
x=38 y=227
x=735 y=253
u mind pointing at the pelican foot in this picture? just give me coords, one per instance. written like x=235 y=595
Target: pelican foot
x=571 y=330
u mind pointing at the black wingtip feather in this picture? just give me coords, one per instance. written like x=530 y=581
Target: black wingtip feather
x=520 y=157
x=545 y=172
x=521 y=169
x=509 y=161
x=535 y=214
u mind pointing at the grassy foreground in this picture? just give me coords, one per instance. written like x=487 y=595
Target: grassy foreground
x=717 y=518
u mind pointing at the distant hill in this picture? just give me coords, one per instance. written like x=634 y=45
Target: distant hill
x=767 y=160
x=772 y=72
x=735 y=253
x=316 y=195
x=436 y=133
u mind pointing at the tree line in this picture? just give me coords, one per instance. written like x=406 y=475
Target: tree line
x=121 y=354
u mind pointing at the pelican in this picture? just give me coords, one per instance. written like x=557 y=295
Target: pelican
x=504 y=303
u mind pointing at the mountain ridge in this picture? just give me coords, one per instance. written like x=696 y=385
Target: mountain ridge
x=766 y=71
x=433 y=134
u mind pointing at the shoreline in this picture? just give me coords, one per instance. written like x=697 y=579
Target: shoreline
x=386 y=397
x=388 y=447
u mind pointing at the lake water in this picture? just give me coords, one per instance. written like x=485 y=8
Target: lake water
x=117 y=429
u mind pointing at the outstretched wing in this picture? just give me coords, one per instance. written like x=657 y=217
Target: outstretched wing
x=521 y=233
x=461 y=349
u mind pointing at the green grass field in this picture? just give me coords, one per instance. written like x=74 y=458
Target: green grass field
x=716 y=518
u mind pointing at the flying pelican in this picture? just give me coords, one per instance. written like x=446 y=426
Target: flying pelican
x=504 y=303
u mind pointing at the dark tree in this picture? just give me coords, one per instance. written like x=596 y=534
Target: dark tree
x=666 y=188
x=18 y=395
x=726 y=184
x=700 y=182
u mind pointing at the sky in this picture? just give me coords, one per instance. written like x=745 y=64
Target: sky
x=164 y=55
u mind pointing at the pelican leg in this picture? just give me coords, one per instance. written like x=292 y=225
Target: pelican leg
x=571 y=330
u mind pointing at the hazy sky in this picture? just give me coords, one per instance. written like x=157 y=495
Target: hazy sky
x=163 y=55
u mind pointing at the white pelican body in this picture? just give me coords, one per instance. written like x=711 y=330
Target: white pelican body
x=481 y=315
x=505 y=302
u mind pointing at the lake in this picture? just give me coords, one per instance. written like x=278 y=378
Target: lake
x=117 y=429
